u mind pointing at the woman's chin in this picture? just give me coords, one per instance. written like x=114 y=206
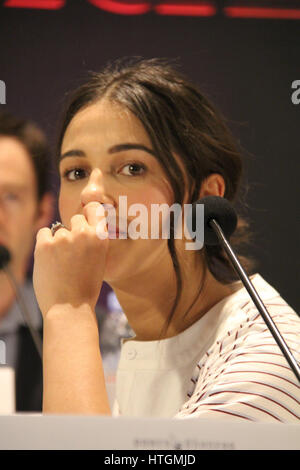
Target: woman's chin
x=116 y=259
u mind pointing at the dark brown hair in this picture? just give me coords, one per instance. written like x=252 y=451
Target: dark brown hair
x=178 y=118
x=34 y=142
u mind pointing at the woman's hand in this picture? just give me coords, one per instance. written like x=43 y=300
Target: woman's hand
x=69 y=266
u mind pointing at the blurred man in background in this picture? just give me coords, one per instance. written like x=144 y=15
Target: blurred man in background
x=26 y=205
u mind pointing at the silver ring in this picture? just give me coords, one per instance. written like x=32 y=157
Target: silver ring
x=56 y=226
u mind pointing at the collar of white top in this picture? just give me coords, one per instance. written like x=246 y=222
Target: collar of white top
x=177 y=351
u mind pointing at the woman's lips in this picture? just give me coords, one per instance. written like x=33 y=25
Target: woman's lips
x=115 y=233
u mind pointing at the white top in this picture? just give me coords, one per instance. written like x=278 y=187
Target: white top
x=225 y=366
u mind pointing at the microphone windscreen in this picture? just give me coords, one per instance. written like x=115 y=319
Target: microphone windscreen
x=4 y=256
x=220 y=209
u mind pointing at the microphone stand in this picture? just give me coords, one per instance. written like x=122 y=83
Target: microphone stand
x=256 y=299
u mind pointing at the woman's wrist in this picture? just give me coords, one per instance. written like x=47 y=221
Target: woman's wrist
x=59 y=314
x=67 y=323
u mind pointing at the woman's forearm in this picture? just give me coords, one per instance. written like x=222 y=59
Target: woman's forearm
x=72 y=365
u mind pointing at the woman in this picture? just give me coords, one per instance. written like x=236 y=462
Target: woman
x=142 y=131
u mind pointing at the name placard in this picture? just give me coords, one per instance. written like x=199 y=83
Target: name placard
x=96 y=432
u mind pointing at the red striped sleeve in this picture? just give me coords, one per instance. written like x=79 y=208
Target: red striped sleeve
x=245 y=375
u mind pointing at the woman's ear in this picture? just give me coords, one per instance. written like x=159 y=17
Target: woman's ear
x=213 y=185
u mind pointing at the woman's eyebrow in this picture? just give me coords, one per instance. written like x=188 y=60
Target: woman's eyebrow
x=128 y=146
x=72 y=153
x=114 y=149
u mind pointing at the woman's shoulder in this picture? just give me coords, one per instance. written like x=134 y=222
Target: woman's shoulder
x=244 y=375
x=241 y=323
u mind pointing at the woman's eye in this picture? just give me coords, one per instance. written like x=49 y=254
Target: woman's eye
x=133 y=169
x=74 y=174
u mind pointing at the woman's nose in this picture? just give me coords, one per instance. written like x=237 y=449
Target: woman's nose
x=95 y=190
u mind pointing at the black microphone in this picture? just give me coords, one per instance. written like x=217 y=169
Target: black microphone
x=5 y=258
x=220 y=209
x=220 y=219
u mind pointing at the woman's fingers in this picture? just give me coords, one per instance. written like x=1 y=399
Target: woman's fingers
x=78 y=223
x=44 y=234
x=95 y=216
x=94 y=212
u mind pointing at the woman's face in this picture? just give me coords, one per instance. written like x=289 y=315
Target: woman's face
x=97 y=166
